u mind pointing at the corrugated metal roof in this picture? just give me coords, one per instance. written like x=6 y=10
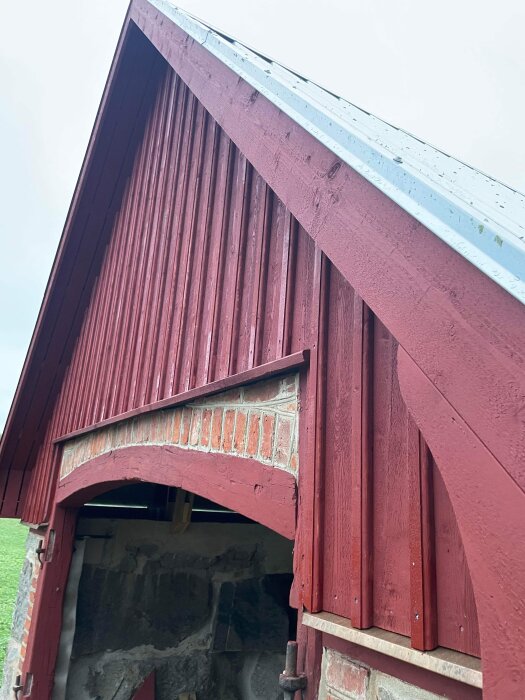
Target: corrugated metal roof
x=480 y=218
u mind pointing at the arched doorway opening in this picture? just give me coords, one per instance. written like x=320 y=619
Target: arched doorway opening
x=168 y=582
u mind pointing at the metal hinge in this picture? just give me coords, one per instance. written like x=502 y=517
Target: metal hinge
x=18 y=687
x=46 y=547
x=39 y=551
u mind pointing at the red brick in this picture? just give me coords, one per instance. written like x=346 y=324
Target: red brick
x=153 y=426
x=161 y=431
x=195 y=426
x=294 y=461
x=186 y=423
x=268 y=425
x=253 y=434
x=175 y=430
x=216 y=429
x=206 y=426
x=240 y=431
x=262 y=391
x=345 y=675
x=283 y=441
x=227 y=435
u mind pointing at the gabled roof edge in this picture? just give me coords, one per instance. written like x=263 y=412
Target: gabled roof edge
x=37 y=335
x=480 y=218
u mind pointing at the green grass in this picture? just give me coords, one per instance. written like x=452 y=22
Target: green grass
x=12 y=552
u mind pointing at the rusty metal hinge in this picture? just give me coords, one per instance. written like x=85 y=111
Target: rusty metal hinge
x=39 y=551
x=18 y=687
x=289 y=680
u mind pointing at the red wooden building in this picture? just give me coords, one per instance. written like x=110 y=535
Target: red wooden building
x=272 y=318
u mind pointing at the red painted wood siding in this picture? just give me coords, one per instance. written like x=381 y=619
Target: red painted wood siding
x=206 y=274
x=369 y=556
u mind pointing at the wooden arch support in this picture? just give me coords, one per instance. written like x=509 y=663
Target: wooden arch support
x=490 y=511
x=258 y=491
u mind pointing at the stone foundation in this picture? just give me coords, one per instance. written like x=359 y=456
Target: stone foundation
x=17 y=644
x=345 y=679
x=208 y=609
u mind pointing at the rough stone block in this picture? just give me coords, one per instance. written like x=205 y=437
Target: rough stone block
x=252 y=614
x=384 y=687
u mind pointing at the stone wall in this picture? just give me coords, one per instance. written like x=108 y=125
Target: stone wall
x=345 y=679
x=257 y=421
x=17 y=644
x=208 y=609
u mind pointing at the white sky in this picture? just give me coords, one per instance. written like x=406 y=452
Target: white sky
x=453 y=75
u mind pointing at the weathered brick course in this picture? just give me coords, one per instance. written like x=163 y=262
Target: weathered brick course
x=342 y=678
x=258 y=421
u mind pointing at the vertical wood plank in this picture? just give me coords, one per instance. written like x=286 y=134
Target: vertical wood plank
x=261 y=196
x=312 y=451
x=391 y=571
x=457 y=622
x=222 y=188
x=244 y=268
x=423 y=620
x=283 y=283
x=222 y=223
x=196 y=256
x=258 y=325
x=291 y=283
x=361 y=535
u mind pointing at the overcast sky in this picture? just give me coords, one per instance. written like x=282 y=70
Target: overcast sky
x=453 y=75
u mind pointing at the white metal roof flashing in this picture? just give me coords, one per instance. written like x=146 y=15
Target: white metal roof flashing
x=480 y=218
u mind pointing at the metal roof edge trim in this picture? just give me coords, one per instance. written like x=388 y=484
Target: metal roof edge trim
x=408 y=171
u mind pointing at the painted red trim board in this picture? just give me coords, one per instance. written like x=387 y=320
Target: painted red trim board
x=490 y=513
x=270 y=369
x=265 y=494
